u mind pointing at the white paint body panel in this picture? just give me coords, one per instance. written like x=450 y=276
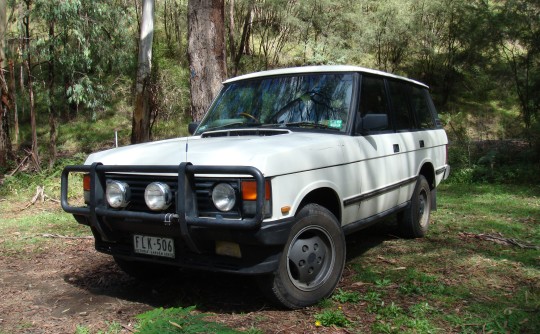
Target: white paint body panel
x=300 y=162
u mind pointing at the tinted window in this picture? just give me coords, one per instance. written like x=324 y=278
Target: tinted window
x=399 y=94
x=373 y=100
x=420 y=104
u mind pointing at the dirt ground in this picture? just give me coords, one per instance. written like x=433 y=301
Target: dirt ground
x=69 y=284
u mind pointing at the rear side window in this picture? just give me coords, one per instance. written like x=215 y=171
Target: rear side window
x=420 y=102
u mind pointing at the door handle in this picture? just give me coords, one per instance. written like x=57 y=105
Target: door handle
x=422 y=144
x=396 y=148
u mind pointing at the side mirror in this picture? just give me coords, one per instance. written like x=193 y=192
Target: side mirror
x=192 y=127
x=372 y=122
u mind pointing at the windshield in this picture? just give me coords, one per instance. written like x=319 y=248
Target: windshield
x=318 y=101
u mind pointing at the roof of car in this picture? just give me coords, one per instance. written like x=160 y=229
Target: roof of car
x=319 y=69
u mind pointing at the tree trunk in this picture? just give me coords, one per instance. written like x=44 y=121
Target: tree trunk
x=140 y=131
x=5 y=140
x=53 y=132
x=244 y=41
x=232 y=44
x=13 y=98
x=34 y=150
x=206 y=52
x=3 y=26
x=27 y=63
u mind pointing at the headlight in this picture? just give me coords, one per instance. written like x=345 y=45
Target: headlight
x=158 y=196
x=224 y=196
x=118 y=194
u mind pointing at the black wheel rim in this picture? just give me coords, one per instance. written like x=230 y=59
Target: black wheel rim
x=310 y=258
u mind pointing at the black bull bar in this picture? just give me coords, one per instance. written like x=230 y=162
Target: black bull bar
x=186 y=213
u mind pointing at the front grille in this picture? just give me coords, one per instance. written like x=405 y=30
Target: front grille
x=203 y=192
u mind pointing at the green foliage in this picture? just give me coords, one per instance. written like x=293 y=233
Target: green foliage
x=88 y=42
x=383 y=282
x=346 y=296
x=372 y=297
x=24 y=184
x=480 y=285
x=329 y=318
x=177 y=320
x=364 y=274
x=506 y=162
x=114 y=328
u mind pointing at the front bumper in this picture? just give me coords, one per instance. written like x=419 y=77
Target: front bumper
x=194 y=235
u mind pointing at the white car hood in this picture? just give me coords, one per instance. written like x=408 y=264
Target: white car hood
x=285 y=153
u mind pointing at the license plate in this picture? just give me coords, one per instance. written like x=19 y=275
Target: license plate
x=157 y=246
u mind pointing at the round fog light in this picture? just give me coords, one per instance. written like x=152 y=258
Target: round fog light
x=117 y=194
x=158 y=196
x=224 y=197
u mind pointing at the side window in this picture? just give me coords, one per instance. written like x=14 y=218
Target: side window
x=373 y=113
x=399 y=94
x=421 y=106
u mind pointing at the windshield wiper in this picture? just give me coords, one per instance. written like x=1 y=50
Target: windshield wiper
x=234 y=124
x=310 y=124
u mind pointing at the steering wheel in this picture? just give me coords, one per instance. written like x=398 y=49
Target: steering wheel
x=246 y=115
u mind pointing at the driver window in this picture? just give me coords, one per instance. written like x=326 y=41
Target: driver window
x=373 y=101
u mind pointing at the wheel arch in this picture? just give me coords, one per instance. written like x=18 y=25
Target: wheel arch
x=325 y=197
x=428 y=171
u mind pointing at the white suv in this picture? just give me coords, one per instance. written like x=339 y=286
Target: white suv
x=282 y=167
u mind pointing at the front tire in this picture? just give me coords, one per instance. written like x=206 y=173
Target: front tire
x=414 y=221
x=312 y=261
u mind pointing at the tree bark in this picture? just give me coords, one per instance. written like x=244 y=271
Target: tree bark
x=232 y=44
x=53 y=128
x=3 y=26
x=243 y=48
x=34 y=149
x=5 y=140
x=206 y=52
x=140 y=131
x=13 y=98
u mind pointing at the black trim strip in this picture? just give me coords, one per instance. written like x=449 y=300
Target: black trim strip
x=367 y=222
x=377 y=192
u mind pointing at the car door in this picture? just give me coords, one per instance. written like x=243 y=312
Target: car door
x=376 y=151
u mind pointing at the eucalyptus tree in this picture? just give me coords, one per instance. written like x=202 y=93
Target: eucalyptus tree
x=387 y=32
x=77 y=46
x=140 y=130
x=5 y=141
x=206 y=52
x=326 y=30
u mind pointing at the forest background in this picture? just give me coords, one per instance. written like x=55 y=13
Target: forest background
x=69 y=70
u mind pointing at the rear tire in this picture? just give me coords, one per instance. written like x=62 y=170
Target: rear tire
x=145 y=271
x=414 y=221
x=312 y=261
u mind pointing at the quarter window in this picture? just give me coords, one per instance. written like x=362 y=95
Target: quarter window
x=420 y=104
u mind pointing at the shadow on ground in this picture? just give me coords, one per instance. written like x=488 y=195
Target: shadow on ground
x=210 y=292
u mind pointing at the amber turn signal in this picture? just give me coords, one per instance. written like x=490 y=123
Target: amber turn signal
x=249 y=190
